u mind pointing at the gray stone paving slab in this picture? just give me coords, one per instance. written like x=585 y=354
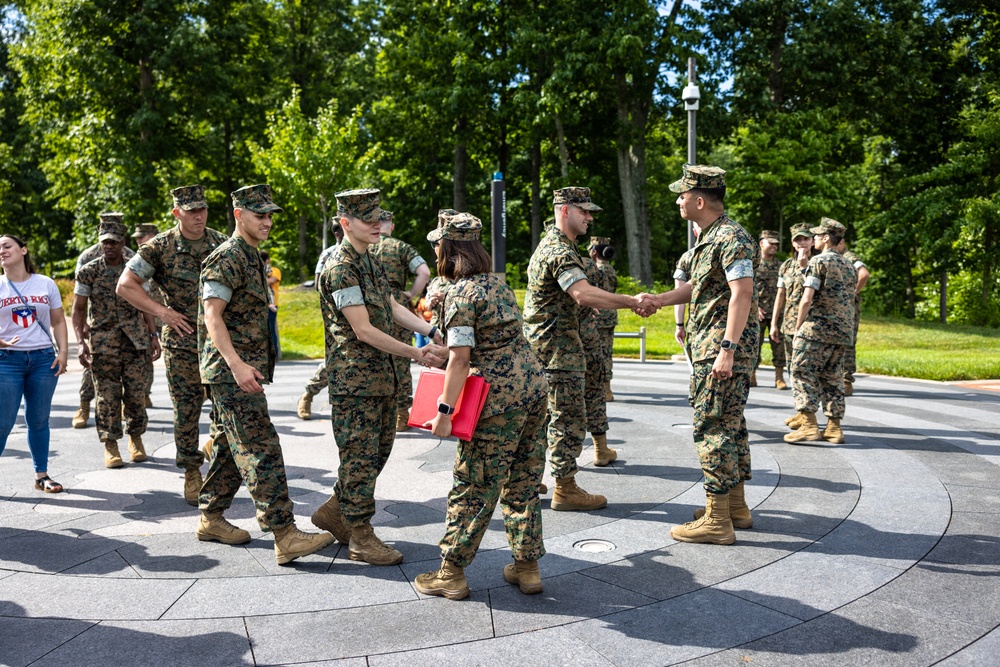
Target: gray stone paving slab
x=360 y=631
x=554 y=647
x=972 y=538
x=110 y=565
x=86 y=598
x=202 y=643
x=975 y=499
x=983 y=651
x=24 y=640
x=808 y=583
x=805 y=511
x=567 y=598
x=675 y=630
x=50 y=552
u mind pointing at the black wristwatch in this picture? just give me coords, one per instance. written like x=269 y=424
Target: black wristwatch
x=445 y=409
x=727 y=345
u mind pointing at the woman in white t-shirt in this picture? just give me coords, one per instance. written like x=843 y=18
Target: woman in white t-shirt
x=30 y=305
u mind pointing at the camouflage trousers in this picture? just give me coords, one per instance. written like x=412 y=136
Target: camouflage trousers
x=87 y=386
x=608 y=337
x=786 y=348
x=594 y=397
x=404 y=381
x=850 y=352
x=778 y=359
x=364 y=428
x=319 y=381
x=246 y=451
x=188 y=395
x=119 y=378
x=567 y=421
x=504 y=461
x=720 y=428
x=149 y=372
x=818 y=377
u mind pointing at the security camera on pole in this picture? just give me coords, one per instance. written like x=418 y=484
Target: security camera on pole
x=691 y=95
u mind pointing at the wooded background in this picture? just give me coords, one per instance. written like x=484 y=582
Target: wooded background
x=882 y=114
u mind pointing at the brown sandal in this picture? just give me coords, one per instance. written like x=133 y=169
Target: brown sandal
x=48 y=485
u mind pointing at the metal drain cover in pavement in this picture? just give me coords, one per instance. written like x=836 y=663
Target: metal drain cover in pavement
x=594 y=546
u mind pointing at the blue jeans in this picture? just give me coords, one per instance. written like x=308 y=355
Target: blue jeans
x=28 y=374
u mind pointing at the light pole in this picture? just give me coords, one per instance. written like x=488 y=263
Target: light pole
x=691 y=95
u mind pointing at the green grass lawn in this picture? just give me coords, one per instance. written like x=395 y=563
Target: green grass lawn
x=885 y=346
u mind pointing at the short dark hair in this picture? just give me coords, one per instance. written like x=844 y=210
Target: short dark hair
x=461 y=259
x=29 y=266
x=711 y=195
x=264 y=255
x=834 y=238
x=605 y=252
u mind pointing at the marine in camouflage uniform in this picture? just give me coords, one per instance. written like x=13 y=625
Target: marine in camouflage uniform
x=596 y=377
x=723 y=265
x=601 y=251
x=791 y=277
x=118 y=346
x=506 y=457
x=825 y=330
x=173 y=260
x=143 y=233
x=552 y=326
x=319 y=380
x=87 y=381
x=850 y=355
x=766 y=282
x=237 y=357
x=401 y=260
x=362 y=378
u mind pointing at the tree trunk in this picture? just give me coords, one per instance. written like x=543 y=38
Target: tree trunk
x=303 y=236
x=631 y=149
x=227 y=177
x=775 y=85
x=563 y=151
x=943 y=303
x=536 y=193
x=461 y=165
x=911 y=296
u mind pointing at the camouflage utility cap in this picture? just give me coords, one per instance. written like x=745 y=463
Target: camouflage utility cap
x=444 y=215
x=769 y=234
x=828 y=226
x=461 y=227
x=579 y=197
x=145 y=230
x=700 y=176
x=385 y=216
x=598 y=240
x=361 y=204
x=801 y=229
x=113 y=231
x=111 y=216
x=256 y=198
x=189 y=197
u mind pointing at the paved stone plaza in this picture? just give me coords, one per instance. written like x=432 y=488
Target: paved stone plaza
x=880 y=551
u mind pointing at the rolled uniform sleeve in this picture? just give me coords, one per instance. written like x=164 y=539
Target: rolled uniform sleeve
x=82 y=289
x=415 y=263
x=739 y=269
x=213 y=289
x=141 y=267
x=460 y=315
x=348 y=296
x=570 y=277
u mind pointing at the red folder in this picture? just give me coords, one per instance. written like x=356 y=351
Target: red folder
x=430 y=387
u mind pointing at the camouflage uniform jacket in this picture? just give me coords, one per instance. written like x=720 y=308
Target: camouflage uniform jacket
x=831 y=316
x=109 y=313
x=481 y=313
x=352 y=279
x=607 y=281
x=683 y=270
x=766 y=281
x=234 y=272
x=400 y=260
x=439 y=284
x=169 y=260
x=724 y=252
x=857 y=263
x=590 y=336
x=791 y=276
x=95 y=251
x=551 y=321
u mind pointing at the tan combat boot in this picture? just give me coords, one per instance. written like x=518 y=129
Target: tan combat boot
x=207 y=449
x=832 y=432
x=808 y=429
x=794 y=421
x=447 y=582
x=603 y=455
x=753 y=378
x=192 y=486
x=568 y=497
x=402 y=417
x=213 y=527
x=848 y=388
x=739 y=512
x=542 y=489
x=608 y=396
x=714 y=527
x=112 y=458
x=329 y=518
x=305 y=406
x=525 y=575
x=136 y=451
x=779 y=378
x=365 y=546
x=82 y=415
x=149 y=401
x=291 y=543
